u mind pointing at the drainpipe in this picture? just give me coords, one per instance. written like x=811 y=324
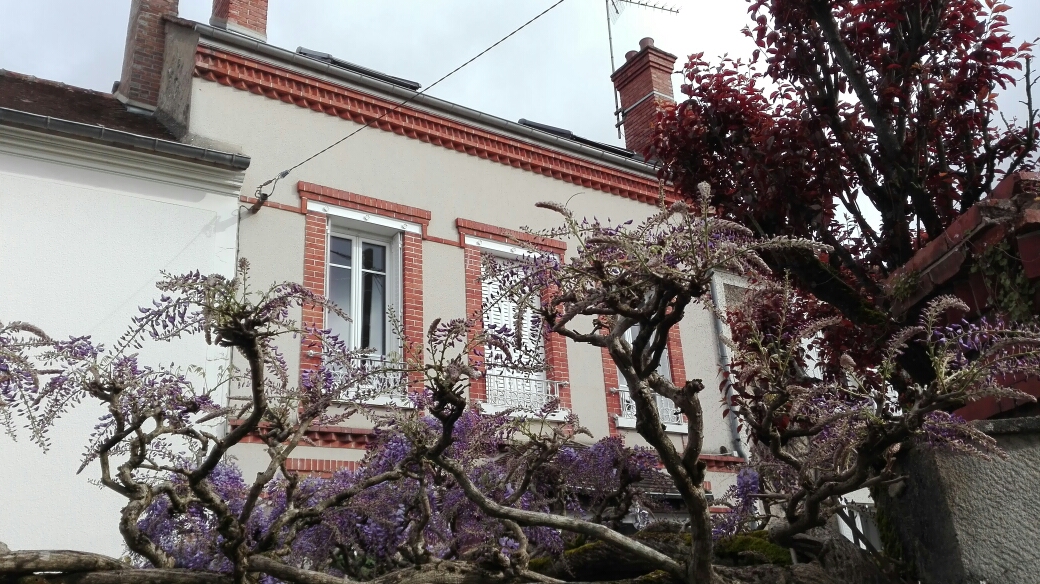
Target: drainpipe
x=724 y=361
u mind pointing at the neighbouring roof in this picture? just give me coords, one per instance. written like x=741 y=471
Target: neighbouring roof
x=56 y=108
x=75 y=104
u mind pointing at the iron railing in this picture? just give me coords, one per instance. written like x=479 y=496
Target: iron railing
x=670 y=415
x=520 y=392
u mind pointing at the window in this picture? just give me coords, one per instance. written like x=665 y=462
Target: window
x=671 y=417
x=358 y=285
x=364 y=281
x=506 y=387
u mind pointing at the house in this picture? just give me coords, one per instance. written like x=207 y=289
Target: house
x=96 y=200
x=395 y=219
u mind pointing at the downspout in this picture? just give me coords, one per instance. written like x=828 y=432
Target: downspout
x=724 y=362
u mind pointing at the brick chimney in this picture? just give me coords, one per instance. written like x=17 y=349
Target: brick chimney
x=248 y=17
x=143 y=57
x=644 y=83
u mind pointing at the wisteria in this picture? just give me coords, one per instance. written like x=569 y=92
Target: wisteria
x=819 y=434
x=636 y=280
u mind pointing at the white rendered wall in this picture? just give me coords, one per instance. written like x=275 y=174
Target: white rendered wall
x=80 y=250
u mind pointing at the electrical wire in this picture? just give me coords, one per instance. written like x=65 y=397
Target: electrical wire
x=261 y=196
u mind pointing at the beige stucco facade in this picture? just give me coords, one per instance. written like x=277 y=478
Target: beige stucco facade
x=402 y=170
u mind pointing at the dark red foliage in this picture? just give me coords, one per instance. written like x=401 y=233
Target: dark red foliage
x=892 y=100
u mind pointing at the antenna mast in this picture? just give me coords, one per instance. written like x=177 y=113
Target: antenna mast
x=614 y=10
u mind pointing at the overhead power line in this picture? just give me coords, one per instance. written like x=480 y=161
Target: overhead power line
x=261 y=196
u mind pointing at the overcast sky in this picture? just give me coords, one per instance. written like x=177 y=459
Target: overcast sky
x=556 y=71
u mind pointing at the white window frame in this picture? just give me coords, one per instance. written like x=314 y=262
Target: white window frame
x=661 y=401
x=509 y=252
x=375 y=229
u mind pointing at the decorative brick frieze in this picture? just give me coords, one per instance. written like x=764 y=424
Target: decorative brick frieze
x=722 y=462
x=274 y=82
x=326 y=436
x=319 y=467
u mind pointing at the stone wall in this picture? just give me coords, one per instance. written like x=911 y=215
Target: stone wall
x=961 y=519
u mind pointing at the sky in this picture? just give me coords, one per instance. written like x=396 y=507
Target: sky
x=556 y=71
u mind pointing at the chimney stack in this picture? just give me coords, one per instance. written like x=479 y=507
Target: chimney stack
x=143 y=57
x=644 y=83
x=247 y=17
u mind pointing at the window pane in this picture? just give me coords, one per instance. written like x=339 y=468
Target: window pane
x=339 y=293
x=373 y=257
x=373 y=312
x=341 y=251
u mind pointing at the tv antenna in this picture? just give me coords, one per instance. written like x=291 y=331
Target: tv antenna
x=614 y=10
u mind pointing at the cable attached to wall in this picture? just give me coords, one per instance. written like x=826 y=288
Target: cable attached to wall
x=261 y=196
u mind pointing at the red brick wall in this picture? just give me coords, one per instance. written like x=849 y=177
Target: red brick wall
x=251 y=14
x=474 y=301
x=647 y=72
x=610 y=385
x=145 y=46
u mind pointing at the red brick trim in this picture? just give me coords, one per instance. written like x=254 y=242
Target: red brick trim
x=271 y=81
x=272 y=204
x=676 y=362
x=503 y=235
x=474 y=303
x=326 y=436
x=319 y=467
x=611 y=387
x=314 y=261
x=312 y=192
x=722 y=462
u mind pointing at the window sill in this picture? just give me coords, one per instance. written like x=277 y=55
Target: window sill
x=630 y=423
x=385 y=401
x=557 y=416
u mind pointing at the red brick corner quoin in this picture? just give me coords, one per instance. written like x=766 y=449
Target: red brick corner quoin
x=251 y=75
x=314 y=260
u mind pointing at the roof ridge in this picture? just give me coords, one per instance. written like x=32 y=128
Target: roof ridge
x=34 y=79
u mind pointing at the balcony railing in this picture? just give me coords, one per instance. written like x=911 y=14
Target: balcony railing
x=671 y=417
x=520 y=392
x=385 y=384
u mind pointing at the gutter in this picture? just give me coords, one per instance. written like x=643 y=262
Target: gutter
x=413 y=97
x=122 y=139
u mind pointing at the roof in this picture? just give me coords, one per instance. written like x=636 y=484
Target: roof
x=39 y=104
x=57 y=100
x=402 y=89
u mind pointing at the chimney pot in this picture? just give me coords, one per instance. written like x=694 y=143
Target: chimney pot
x=644 y=83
